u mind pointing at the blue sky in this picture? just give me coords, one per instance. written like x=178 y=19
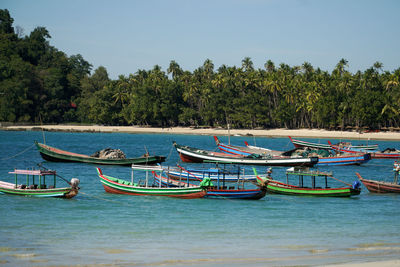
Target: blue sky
x=127 y=35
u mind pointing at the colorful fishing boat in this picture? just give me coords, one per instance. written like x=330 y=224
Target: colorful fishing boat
x=331 y=159
x=300 y=143
x=221 y=188
x=386 y=154
x=38 y=187
x=193 y=174
x=376 y=186
x=195 y=155
x=54 y=154
x=148 y=186
x=313 y=188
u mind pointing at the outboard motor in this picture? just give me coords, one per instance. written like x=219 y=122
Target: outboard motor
x=356 y=184
x=75 y=182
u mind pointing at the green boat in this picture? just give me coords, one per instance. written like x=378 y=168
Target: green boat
x=54 y=154
x=147 y=186
x=38 y=187
x=315 y=188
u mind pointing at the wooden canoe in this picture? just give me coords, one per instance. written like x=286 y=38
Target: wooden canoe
x=375 y=186
x=195 y=155
x=54 y=154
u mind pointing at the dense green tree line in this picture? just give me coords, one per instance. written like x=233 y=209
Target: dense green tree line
x=39 y=82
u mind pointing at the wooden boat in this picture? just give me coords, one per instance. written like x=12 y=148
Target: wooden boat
x=331 y=160
x=38 y=187
x=219 y=189
x=195 y=155
x=148 y=187
x=193 y=174
x=300 y=143
x=54 y=154
x=376 y=186
x=277 y=187
x=388 y=154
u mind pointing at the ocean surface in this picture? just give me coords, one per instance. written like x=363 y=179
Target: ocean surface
x=100 y=228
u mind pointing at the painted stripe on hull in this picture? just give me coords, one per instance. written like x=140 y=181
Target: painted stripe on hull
x=113 y=187
x=337 y=192
x=37 y=192
x=188 y=156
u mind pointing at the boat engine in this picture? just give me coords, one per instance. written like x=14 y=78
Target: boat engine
x=75 y=182
x=356 y=184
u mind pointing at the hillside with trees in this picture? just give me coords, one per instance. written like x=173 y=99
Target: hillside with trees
x=40 y=83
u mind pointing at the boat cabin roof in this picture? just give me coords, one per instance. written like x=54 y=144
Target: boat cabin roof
x=34 y=172
x=308 y=172
x=146 y=168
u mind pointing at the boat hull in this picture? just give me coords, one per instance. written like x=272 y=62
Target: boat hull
x=344 y=160
x=374 y=186
x=217 y=192
x=56 y=192
x=57 y=155
x=274 y=188
x=193 y=155
x=111 y=186
x=251 y=194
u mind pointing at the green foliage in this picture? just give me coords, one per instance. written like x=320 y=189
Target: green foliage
x=37 y=80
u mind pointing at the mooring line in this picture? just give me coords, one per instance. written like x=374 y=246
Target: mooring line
x=16 y=155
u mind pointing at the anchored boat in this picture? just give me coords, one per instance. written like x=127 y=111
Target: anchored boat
x=147 y=185
x=217 y=186
x=376 y=186
x=315 y=188
x=325 y=157
x=195 y=155
x=54 y=154
x=36 y=186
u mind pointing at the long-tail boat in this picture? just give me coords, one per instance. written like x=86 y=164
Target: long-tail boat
x=300 y=143
x=331 y=160
x=220 y=188
x=387 y=154
x=193 y=174
x=376 y=186
x=314 y=189
x=148 y=186
x=54 y=154
x=38 y=187
x=195 y=155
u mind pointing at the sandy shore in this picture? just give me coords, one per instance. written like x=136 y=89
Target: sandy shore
x=389 y=263
x=305 y=133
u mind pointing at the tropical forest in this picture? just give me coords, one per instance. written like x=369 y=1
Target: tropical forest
x=41 y=84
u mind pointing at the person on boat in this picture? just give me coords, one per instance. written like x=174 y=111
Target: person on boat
x=269 y=173
x=396 y=167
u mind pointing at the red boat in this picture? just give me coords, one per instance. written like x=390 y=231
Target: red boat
x=387 y=154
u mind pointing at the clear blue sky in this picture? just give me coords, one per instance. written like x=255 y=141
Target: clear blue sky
x=127 y=35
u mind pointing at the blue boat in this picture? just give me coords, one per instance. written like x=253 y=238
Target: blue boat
x=221 y=188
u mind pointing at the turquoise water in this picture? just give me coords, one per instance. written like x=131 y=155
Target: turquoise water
x=100 y=228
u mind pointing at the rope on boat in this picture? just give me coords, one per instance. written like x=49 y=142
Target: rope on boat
x=40 y=165
x=20 y=153
x=170 y=152
x=339 y=180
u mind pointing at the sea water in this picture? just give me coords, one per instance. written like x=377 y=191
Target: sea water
x=96 y=227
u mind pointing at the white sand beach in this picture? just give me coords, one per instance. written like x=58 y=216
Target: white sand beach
x=305 y=133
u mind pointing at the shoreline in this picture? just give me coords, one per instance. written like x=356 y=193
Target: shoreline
x=302 y=133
